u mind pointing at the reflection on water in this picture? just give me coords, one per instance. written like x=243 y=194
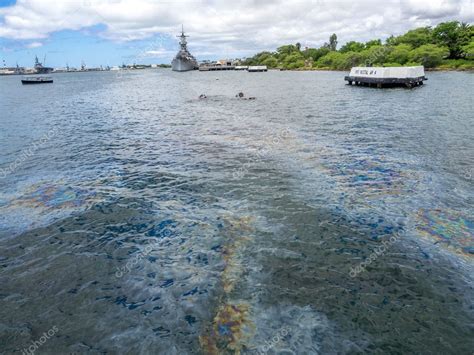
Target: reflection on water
x=160 y=223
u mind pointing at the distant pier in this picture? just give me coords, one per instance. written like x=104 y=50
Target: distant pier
x=216 y=67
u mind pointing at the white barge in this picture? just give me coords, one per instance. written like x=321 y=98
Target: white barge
x=387 y=76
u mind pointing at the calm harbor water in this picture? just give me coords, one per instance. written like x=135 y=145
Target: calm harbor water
x=317 y=219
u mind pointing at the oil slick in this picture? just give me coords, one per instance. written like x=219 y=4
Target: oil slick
x=231 y=328
x=448 y=227
x=369 y=177
x=42 y=202
x=55 y=196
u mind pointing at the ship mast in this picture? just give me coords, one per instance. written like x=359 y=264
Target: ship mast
x=183 y=43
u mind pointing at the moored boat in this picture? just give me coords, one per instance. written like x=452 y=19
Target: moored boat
x=184 y=61
x=36 y=80
x=40 y=68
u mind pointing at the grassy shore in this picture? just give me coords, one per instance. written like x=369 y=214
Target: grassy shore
x=438 y=69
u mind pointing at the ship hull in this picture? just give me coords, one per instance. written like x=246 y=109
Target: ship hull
x=43 y=70
x=36 y=80
x=30 y=82
x=182 y=65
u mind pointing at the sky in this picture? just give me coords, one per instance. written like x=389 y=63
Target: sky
x=112 y=32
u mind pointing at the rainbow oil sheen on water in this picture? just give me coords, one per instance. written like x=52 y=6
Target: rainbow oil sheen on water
x=152 y=222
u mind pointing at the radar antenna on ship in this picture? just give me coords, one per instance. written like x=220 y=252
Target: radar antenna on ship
x=183 y=43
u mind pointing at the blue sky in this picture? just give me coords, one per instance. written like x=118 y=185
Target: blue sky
x=73 y=47
x=4 y=3
x=112 y=32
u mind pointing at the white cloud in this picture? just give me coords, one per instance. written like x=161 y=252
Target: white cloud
x=158 y=53
x=34 y=45
x=432 y=9
x=228 y=27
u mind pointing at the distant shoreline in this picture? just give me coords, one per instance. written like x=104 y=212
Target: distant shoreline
x=272 y=69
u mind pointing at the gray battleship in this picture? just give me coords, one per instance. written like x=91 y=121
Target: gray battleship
x=40 y=69
x=184 y=61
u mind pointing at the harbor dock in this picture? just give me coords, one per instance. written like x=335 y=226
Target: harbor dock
x=216 y=67
x=228 y=66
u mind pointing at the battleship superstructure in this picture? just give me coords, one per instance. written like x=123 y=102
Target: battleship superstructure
x=184 y=61
x=40 y=69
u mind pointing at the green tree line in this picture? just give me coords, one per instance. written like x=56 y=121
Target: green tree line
x=449 y=45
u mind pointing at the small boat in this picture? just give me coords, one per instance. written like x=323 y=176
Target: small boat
x=36 y=80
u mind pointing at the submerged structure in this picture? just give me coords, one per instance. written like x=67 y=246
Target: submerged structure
x=387 y=77
x=184 y=61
